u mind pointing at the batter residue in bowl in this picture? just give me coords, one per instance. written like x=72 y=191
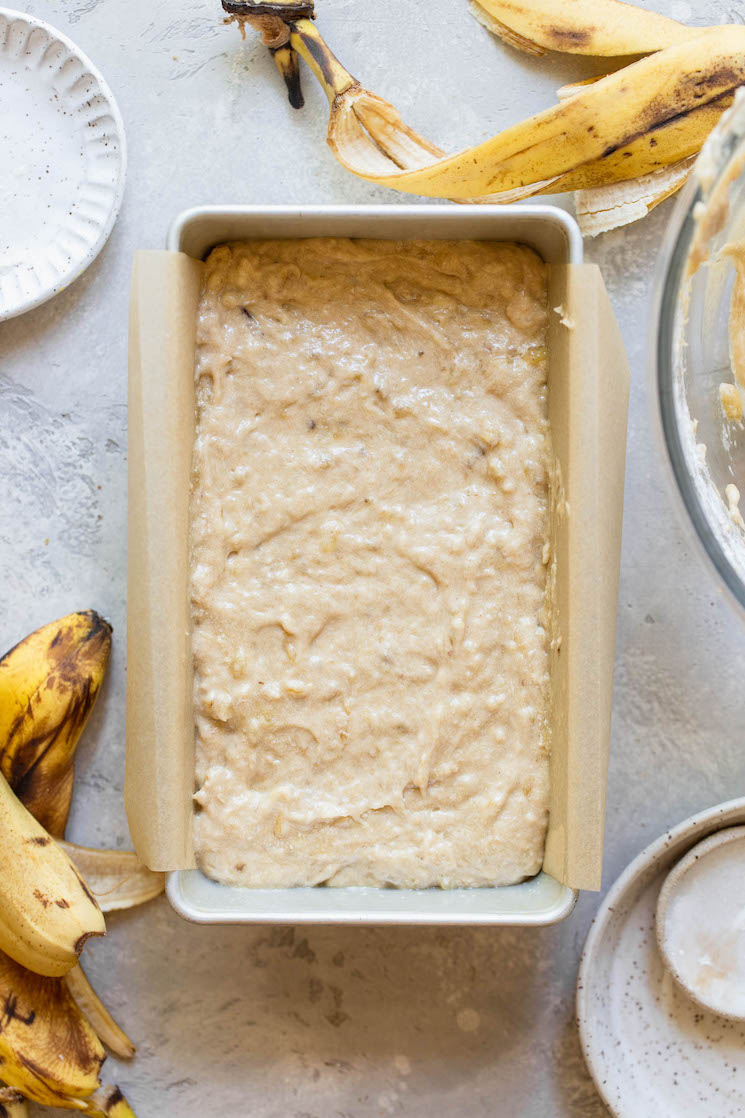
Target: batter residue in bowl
x=368 y=564
x=730 y=394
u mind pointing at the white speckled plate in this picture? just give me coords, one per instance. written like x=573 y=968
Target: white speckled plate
x=62 y=162
x=650 y=1049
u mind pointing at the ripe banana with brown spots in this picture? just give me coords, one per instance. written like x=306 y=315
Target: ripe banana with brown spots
x=47 y=911
x=48 y=684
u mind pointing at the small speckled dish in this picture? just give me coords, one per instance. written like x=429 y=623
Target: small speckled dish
x=700 y=922
x=650 y=1049
x=63 y=162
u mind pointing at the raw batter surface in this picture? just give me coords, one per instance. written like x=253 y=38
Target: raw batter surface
x=368 y=564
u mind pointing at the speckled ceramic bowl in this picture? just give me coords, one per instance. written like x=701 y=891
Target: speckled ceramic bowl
x=651 y=1050
x=684 y=923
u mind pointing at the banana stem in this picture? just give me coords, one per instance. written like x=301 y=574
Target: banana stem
x=12 y=1103
x=285 y=59
x=311 y=46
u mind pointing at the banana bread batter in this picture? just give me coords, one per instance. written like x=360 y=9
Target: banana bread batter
x=369 y=564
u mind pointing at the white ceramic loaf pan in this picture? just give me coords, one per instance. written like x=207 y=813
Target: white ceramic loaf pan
x=588 y=394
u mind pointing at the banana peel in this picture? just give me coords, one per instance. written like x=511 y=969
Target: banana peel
x=48 y=1050
x=665 y=102
x=12 y=1104
x=603 y=208
x=599 y=28
x=47 y=912
x=621 y=128
x=117 y=878
x=49 y=683
x=105 y=1027
x=109 y=1102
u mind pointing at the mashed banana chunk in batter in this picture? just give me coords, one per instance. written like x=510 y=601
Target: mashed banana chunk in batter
x=368 y=529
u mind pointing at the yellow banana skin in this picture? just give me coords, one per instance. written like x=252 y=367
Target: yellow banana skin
x=109 y=1102
x=117 y=878
x=48 y=685
x=600 y=28
x=105 y=1027
x=672 y=142
x=39 y=1023
x=670 y=93
x=47 y=911
x=12 y=1104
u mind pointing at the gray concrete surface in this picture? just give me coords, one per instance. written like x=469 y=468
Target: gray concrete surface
x=326 y=1022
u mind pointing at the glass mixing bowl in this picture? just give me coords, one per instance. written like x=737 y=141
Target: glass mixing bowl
x=691 y=352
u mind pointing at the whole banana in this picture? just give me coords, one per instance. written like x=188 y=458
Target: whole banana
x=47 y=911
x=48 y=685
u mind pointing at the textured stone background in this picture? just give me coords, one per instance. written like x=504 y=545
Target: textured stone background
x=329 y=1022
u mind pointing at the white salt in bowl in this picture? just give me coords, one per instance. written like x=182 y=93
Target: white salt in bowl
x=700 y=922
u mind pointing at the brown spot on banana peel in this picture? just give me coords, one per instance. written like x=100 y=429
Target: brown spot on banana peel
x=59 y=1027
x=98 y=624
x=10 y=1013
x=612 y=169
x=84 y=887
x=42 y=1075
x=653 y=121
x=34 y=1069
x=48 y=796
x=639 y=135
x=38 y=840
x=568 y=39
x=324 y=58
x=47 y=793
x=38 y=767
